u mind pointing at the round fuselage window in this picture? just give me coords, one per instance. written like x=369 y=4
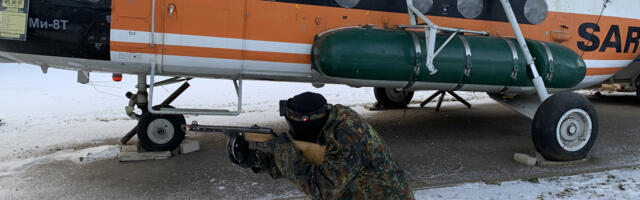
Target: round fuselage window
x=348 y=3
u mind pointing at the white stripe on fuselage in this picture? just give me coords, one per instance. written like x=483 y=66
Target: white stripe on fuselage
x=607 y=63
x=590 y=81
x=210 y=42
x=216 y=66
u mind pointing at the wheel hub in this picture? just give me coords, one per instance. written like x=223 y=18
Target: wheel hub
x=160 y=131
x=574 y=130
x=396 y=95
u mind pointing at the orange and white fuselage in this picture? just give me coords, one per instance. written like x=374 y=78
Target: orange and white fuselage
x=268 y=40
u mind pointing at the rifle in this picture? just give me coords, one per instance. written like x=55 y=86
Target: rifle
x=240 y=137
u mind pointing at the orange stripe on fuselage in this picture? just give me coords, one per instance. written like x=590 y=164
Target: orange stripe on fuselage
x=214 y=53
x=297 y=23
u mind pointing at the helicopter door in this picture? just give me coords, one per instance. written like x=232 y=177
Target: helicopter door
x=204 y=37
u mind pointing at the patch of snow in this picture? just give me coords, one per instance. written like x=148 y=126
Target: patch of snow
x=614 y=184
x=49 y=111
x=605 y=92
x=87 y=155
x=80 y=156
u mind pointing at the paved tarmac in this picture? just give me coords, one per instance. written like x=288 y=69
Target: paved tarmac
x=436 y=149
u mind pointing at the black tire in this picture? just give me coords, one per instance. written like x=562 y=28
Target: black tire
x=160 y=141
x=392 y=98
x=547 y=130
x=638 y=88
x=598 y=94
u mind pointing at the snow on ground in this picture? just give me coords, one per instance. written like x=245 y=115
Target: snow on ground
x=42 y=115
x=81 y=156
x=47 y=112
x=614 y=184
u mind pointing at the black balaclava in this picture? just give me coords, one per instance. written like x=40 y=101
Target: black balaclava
x=308 y=103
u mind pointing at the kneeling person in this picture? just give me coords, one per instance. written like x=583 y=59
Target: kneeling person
x=356 y=164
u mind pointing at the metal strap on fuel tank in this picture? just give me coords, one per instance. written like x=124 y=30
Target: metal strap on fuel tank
x=549 y=75
x=467 y=63
x=416 y=69
x=515 y=69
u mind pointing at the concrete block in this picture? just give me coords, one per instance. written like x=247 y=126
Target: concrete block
x=189 y=146
x=547 y=163
x=129 y=148
x=539 y=160
x=525 y=159
x=136 y=156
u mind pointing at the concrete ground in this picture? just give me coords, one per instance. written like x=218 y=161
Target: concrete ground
x=436 y=149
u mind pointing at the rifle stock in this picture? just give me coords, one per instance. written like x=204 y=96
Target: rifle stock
x=311 y=151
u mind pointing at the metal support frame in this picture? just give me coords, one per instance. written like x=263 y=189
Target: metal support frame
x=538 y=83
x=430 y=31
x=445 y=43
x=171 y=81
x=442 y=93
x=153 y=23
x=181 y=111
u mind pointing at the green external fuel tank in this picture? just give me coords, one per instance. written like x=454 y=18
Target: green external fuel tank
x=371 y=57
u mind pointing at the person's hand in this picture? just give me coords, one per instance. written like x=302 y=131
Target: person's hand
x=282 y=139
x=263 y=162
x=248 y=158
x=278 y=139
x=257 y=160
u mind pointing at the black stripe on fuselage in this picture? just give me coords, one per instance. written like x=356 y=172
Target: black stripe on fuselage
x=492 y=11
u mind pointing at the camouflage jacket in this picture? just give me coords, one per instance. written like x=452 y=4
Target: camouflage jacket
x=357 y=164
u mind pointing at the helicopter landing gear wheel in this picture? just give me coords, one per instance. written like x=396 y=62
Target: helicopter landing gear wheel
x=565 y=127
x=160 y=132
x=392 y=98
x=638 y=88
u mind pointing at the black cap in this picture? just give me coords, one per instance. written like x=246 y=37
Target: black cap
x=304 y=123
x=306 y=102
